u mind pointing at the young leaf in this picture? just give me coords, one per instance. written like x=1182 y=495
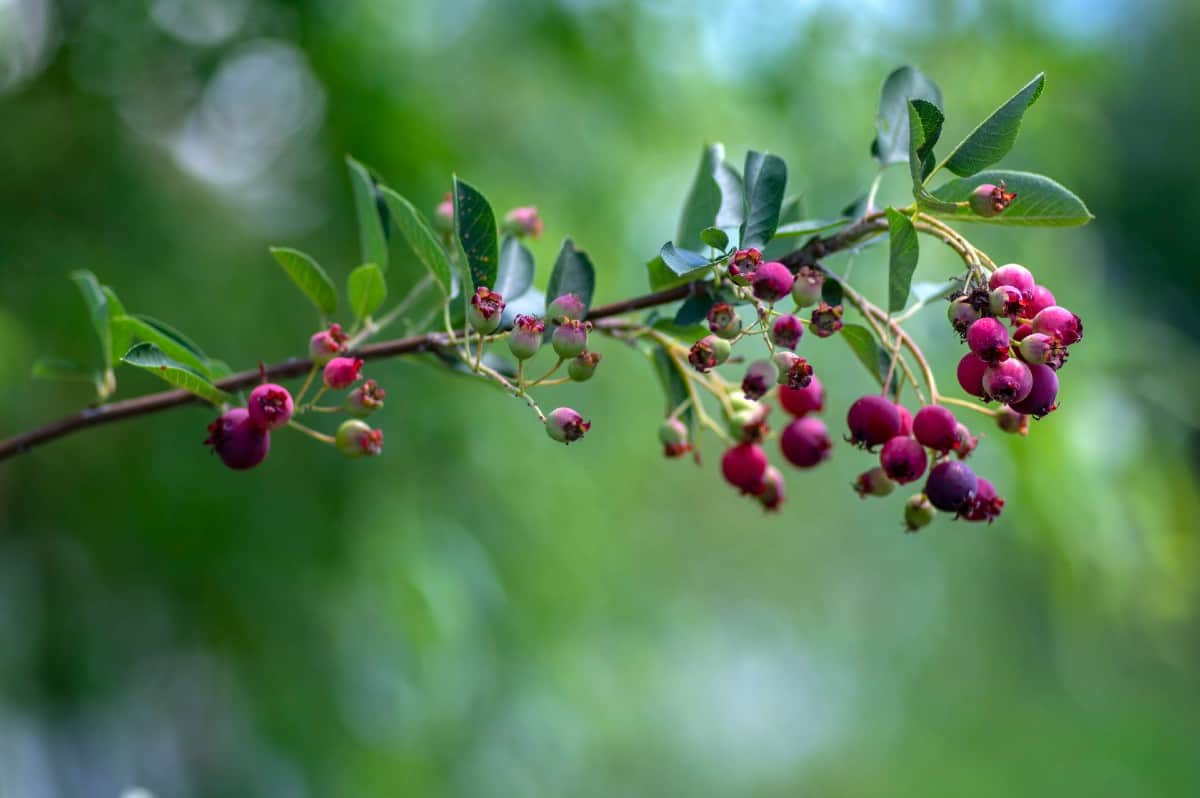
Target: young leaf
x=573 y=274
x=1040 y=201
x=703 y=201
x=925 y=125
x=308 y=277
x=874 y=357
x=715 y=237
x=992 y=140
x=97 y=305
x=366 y=290
x=476 y=226
x=766 y=180
x=371 y=233
x=53 y=368
x=515 y=274
x=694 y=309
x=420 y=237
x=149 y=357
x=132 y=327
x=682 y=261
x=892 y=122
x=902 y=258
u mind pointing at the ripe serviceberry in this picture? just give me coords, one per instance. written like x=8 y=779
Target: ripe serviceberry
x=970 y=375
x=526 y=337
x=237 y=441
x=583 y=366
x=270 y=406
x=962 y=314
x=673 y=434
x=1016 y=276
x=565 y=425
x=1040 y=401
x=443 y=214
x=760 y=376
x=327 y=344
x=342 y=372
x=786 y=331
x=1045 y=349
x=569 y=305
x=964 y=441
x=1008 y=381
x=570 y=337
x=826 y=320
x=1012 y=422
x=772 y=281
x=523 y=221
x=806 y=290
x=906 y=419
x=934 y=426
x=874 y=482
x=918 y=513
x=802 y=401
x=986 y=505
x=1022 y=332
x=708 y=353
x=1058 y=323
x=723 y=321
x=485 y=310
x=744 y=466
x=805 y=442
x=794 y=372
x=355 y=438
x=951 y=486
x=1007 y=302
x=903 y=459
x=772 y=495
x=1042 y=299
x=989 y=200
x=988 y=339
x=872 y=420
x=743 y=265
x=365 y=399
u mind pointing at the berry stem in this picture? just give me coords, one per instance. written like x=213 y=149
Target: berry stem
x=950 y=400
x=547 y=375
x=312 y=433
x=307 y=382
x=479 y=353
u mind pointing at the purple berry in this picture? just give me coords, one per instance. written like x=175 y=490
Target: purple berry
x=237 y=441
x=1014 y=275
x=570 y=338
x=826 y=320
x=806 y=290
x=986 y=505
x=485 y=310
x=1008 y=381
x=873 y=482
x=787 y=331
x=568 y=305
x=918 y=513
x=760 y=376
x=989 y=200
x=270 y=406
x=772 y=495
x=802 y=401
x=970 y=375
x=951 y=486
x=934 y=426
x=744 y=467
x=1059 y=323
x=903 y=459
x=355 y=438
x=772 y=281
x=1040 y=401
x=526 y=337
x=723 y=321
x=1039 y=348
x=342 y=372
x=565 y=425
x=805 y=442
x=988 y=339
x=873 y=420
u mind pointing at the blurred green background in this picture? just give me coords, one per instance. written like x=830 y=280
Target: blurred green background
x=482 y=613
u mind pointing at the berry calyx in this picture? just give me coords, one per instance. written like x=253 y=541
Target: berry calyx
x=970 y=375
x=986 y=505
x=270 y=406
x=673 y=434
x=951 y=486
x=772 y=281
x=918 y=513
x=523 y=221
x=760 y=376
x=237 y=441
x=799 y=402
x=935 y=426
x=805 y=442
x=990 y=200
x=355 y=438
x=772 y=495
x=744 y=466
x=342 y=372
x=988 y=339
x=873 y=482
x=873 y=421
x=806 y=290
x=708 y=353
x=1041 y=398
x=1008 y=381
x=826 y=319
x=903 y=459
x=566 y=425
x=327 y=344
x=583 y=366
x=569 y=305
x=1040 y=348
x=964 y=441
x=723 y=321
x=1059 y=323
x=743 y=265
x=365 y=399
x=526 y=337
x=787 y=331
x=570 y=337
x=485 y=310
x=794 y=371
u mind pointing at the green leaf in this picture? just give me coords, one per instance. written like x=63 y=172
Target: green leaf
x=661 y=277
x=573 y=274
x=420 y=237
x=715 y=237
x=97 y=305
x=892 y=121
x=902 y=258
x=765 y=183
x=733 y=203
x=831 y=291
x=308 y=277
x=875 y=358
x=476 y=226
x=694 y=309
x=149 y=357
x=1040 y=201
x=703 y=201
x=682 y=261
x=994 y=137
x=120 y=342
x=515 y=274
x=674 y=385
x=170 y=343
x=53 y=368
x=366 y=289
x=371 y=233
x=925 y=124
x=685 y=333
x=810 y=227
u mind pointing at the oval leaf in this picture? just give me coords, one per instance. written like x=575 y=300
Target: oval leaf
x=891 y=123
x=420 y=237
x=693 y=310
x=149 y=357
x=573 y=274
x=765 y=183
x=682 y=261
x=703 y=201
x=992 y=140
x=1040 y=201
x=366 y=290
x=308 y=277
x=902 y=258
x=97 y=306
x=133 y=327
x=515 y=274
x=372 y=236
x=810 y=227
x=475 y=224
x=715 y=237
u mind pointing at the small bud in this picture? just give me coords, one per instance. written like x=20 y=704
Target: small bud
x=806 y=290
x=570 y=337
x=708 y=353
x=565 y=425
x=772 y=495
x=523 y=221
x=355 y=438
x=365 y=399
x=743 y=265
x=962 y=314
x=342 y=372
x=443 y=215
x=485 y=310
x=237 y=441
x=723 y=321
x=918 y=513
x=772 y=281
x=744 y=467
x=526 y=337
x=327 y=344
x=787 y=331
x=569 y=305
x=583 y=366
x=989 y=200
x=1012 y=422
x=760 y=376
x=826 y=320
x=270 y=406
x=873 y=482
x=673 y=434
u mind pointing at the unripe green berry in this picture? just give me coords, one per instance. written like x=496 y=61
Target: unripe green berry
x=526 y=337
x=355 y=438
x=583 y=366
x=918 y=513
x=566 y=425
x=485 y=310
x=570 y=337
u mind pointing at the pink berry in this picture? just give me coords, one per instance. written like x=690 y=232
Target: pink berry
x=526 y=337
x=523 y=221
x=772 y=494
x=970 y=375
x=365 y=399
x=903 y=459
x=1040 y=401
x=743 y=265
x=1044 y=349
x=873 y=420
x=988 y=339
x=1022 y=332
x=236 y=440
x=787 y=331
x=873 y=482
x=986 y=505
x=934 y=426
x=951 y=486
x=1014 y=275
x=1007 y=302
x=1059 y=323
x=807 y=288
x=805 y=442
x=1042 y=299
x=990 y=200
x=270 y=406
x=906 y=419
x=568 y=305
x=342 y=372
x=566 y=425
x=802 y=401
x=485 y=310
x=327 y=344
x=772 y=281
x=744 y=467
x=1008 y=381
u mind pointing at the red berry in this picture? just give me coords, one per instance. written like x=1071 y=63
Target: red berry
x=988 y=339
x=1059 y=323
x=970 y=375
x=903 y=459
x=270 y=406
x=1009 y=381
x=1042 y=299
x=951 y=486
x=323 y=346
x=342 y=372
x=237 y=441
x=935 y=426
x=772 y=281
x=1014 y=275
x=805 y=442
x=872 y=420
x=744 y=467
x=802 y=401
x=990 y=200
x=906 y=419
x=986 y=505
x=1040 y=400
